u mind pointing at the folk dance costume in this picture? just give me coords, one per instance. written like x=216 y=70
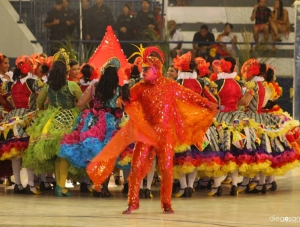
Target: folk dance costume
x=132 y=73
x=188 y=159
x=89 y=75
x=14 y=139
x=51 y=124
x=95 y=127
x=283 y=151
x=237 y=139
x=160 y=120
x=5 y=107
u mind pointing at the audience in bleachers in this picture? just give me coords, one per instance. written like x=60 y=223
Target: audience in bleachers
x=279 y=21
x=56 y=22
x=145 y=18
x=70 y=16
x=261 y=14
x=125 y=26
x=174 y=35
x=99 y=17
x=202 y=43
x=228 y=37
x=160 y=20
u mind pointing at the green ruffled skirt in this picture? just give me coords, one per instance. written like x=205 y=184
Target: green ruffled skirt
x=45 y=135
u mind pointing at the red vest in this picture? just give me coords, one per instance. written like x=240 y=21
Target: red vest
x=21 y=95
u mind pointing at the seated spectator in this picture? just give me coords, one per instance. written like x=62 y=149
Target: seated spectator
x=202 y=43
x=261 y=14
x=227 y=37
x=160 y=20
x=279 y=21
x=125 y=27
x=174 y=35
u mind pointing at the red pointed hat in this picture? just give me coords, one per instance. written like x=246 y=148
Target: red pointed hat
x=108 y=48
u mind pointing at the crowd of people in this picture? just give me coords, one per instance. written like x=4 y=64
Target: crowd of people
x=63 y=21
x=201 y=121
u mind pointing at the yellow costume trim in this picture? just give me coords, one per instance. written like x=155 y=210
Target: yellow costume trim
x=125 y=161
x=182 y=148
x=13 y=153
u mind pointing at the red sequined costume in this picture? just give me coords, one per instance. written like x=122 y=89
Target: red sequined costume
x=173 y=113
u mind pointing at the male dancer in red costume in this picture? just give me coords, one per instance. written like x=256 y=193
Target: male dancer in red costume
x=171 y=116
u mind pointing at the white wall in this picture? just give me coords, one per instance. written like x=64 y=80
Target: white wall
x=234 y=15
x=15 y=39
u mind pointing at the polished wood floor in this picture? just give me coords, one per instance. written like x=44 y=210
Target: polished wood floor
x=280 y=208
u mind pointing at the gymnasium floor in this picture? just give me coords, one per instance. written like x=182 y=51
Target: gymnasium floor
x=280 y=208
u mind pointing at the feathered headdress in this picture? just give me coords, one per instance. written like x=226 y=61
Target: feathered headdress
x=37 y=58
x=220 y=66
x=138 y=61
x=63 y=57
x=49 y=61
x=202 y=66
x=25 y=64
x=150 y=56
x=182 y=63
x=250 y=68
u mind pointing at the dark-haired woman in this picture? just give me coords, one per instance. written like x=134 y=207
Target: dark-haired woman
x=279 y=21
x=272 y=129
x=14 y=139
x=95 y=127
x=5 y=106
x=172 y=73
x=74 y=71
x=273 y=92
x=89 y=77
x=187 y=159
x=236 y=138
x=51 y=124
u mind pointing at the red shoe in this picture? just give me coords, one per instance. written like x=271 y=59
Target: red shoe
x=167 y=209
x=129 y=209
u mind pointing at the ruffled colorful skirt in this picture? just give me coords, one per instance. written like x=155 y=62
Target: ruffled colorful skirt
x=206 y=158
x=93 y=131
x=13 y=137
x=240 y=144
x=45 y=135
x=274 y=145
x=215 y=162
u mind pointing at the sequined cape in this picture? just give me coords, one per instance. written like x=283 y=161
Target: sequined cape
x=160 y=111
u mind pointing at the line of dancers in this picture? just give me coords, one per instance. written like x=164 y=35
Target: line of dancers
x=195 y=125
